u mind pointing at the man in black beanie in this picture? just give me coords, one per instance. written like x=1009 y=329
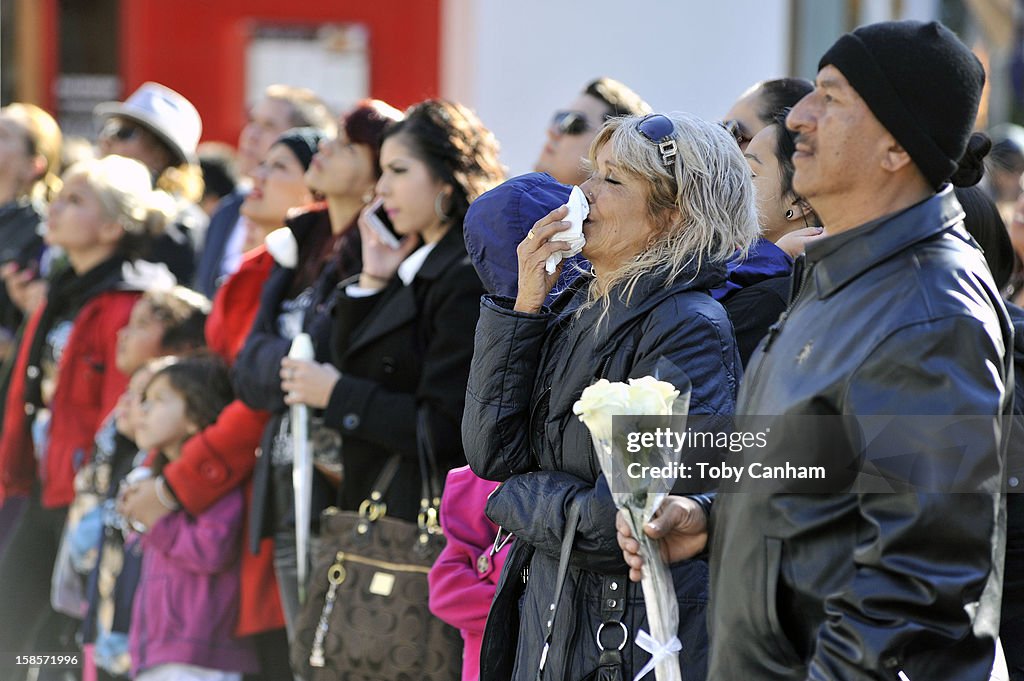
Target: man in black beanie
x=895 y=314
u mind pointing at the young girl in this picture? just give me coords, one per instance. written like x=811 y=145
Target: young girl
x=186 y=603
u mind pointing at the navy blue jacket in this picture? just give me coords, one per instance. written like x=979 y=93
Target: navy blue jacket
x=222 y=223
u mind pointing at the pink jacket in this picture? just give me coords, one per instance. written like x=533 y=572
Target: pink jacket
x=186 y=603
x=465 y=576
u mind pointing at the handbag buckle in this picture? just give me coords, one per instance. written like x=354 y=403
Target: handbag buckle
x=373 y=509
x=427 y=519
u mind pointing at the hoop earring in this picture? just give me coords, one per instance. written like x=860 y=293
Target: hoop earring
x=790 y=214
x=439 y=210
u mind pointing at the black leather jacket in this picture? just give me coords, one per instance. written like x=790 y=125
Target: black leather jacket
x=897 y=317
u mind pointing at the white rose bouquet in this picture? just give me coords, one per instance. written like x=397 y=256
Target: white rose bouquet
x=644 y=402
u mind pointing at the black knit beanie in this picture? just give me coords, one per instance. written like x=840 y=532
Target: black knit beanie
x=920 y=82
x=303 y=142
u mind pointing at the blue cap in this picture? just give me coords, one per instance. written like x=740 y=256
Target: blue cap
x=498 y=221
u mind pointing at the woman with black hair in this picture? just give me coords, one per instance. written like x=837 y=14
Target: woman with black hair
x=403 y=332
x=760 y=105
x=757 y=289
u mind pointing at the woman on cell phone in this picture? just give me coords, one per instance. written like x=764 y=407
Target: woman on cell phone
x=403 y=333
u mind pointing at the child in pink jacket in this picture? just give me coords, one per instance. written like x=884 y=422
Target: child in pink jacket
x=465 y=576
x=186 y=603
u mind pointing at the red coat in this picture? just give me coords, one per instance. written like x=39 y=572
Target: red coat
x=222 y=456
x=87 y=389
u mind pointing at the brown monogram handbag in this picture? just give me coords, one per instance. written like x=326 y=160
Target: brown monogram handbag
x=367 y=617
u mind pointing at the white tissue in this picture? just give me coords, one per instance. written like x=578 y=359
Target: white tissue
x=579 y=209
x=283 y=248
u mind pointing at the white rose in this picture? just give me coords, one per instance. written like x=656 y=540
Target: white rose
x=598 y=403
x=651 y=397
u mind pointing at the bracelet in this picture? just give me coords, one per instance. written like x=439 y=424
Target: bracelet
x=163 y=496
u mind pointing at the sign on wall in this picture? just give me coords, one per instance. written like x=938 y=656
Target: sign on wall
x=330 y=59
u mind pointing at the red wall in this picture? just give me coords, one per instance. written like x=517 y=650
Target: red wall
x=198 y=48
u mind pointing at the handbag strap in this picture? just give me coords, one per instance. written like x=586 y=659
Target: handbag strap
x=374 y=508
x=572 y=521
x=430 y=486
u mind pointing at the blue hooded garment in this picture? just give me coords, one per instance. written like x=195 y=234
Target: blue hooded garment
x=498 y=221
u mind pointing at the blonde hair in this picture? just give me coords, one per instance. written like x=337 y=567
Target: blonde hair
x=184 y=181
x=124 y=188
x=44 y=139
x=703 y=203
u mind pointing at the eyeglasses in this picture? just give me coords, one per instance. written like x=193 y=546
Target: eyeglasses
x=120 y=131
x=738 y=132
x=659 y=128
x=570 y=122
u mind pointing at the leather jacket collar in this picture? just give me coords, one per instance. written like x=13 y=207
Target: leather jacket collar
x=840 y=259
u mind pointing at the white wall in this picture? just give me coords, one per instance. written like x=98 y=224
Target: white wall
x=527 y=58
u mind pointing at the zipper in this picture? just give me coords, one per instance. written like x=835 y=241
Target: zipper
x=341 y=557
x=801 y=272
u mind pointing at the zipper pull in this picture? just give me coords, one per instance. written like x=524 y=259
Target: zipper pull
x=335 y=576
x=773 y=331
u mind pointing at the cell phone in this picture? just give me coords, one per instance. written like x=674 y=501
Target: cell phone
x=378 y=219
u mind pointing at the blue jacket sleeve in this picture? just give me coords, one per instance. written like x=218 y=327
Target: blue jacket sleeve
x=506 y=351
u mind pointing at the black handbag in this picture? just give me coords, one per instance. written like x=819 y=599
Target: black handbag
x=367 y=617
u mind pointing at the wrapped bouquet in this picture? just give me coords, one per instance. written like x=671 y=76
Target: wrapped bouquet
x=640 y=407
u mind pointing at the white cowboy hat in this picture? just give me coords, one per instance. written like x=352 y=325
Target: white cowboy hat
x=165 y=113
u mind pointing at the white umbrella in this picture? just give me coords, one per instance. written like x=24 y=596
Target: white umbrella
x=302 y=468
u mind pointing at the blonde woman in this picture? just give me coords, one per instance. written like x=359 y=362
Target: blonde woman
x=65 y=379
x=670 y=202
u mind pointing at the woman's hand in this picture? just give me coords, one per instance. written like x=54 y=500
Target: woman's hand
x=380 y=261
x=139 y=503
x=681 y=525
x=794 y=243
x=309 y=383
x=533 y=251
x=23 y=288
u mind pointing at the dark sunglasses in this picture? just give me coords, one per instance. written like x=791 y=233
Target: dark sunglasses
x=120 y=131
x=659 y=128
x=738 y=132
x=570 y=122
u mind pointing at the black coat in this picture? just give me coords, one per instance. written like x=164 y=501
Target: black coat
x=528 y=371
x=403 y=349
x=897 y=317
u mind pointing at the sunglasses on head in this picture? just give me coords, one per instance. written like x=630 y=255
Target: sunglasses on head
x=659 y=128
x=738 y=132
x=120 y=131
x=570 y=122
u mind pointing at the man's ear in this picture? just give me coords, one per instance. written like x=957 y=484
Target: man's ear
x=894 y=156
